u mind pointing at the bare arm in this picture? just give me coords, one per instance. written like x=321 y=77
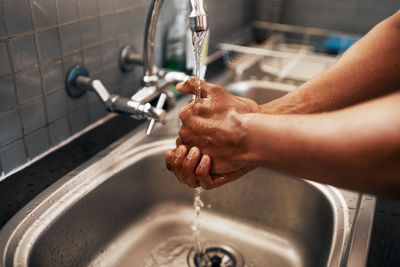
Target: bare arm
x=356 y=148
x=368 y=69
x=352 y=147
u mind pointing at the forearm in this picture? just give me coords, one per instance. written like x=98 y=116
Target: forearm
x=343 y=148
x=370 y=68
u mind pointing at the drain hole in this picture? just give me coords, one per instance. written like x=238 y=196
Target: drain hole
x=216 y=255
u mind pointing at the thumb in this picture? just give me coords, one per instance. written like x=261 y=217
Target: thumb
x=207 y=89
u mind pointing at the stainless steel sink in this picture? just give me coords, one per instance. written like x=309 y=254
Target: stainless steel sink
x=260 y=91
x=116 y=208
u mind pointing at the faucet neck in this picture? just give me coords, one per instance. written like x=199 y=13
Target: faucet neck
x=198 y=23
x=149 y=37
x=198 y=17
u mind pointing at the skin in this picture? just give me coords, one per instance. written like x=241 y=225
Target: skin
x=340 y=128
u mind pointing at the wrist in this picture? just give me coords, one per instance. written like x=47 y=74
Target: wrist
x=248 y=151
x=271 y=108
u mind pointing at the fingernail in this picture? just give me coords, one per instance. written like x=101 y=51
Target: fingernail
x=179 y=151
x=192 y=153
x=203 y=161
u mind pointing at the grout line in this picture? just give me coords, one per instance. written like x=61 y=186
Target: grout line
x=80 y=52
x=101 y=59
x=58 y=25
x=46 y=114
x=83 y=62
x=52 y=60
x=18 y=106
x=62 y=66
x=117 y=37
x=59 y=145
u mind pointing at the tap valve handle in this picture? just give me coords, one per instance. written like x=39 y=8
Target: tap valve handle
x=138 y=111
x=160 y=104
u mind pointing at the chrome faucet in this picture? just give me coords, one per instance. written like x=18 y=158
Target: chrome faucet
x=197 y=22
x=78 y=81
x=198 y=18
x=155 y=81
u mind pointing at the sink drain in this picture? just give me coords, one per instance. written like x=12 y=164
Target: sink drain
x=216 y=255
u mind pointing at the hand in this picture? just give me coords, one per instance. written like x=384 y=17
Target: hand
x=193 y=169
x=213 y=125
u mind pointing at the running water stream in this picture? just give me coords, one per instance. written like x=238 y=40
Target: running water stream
x=173 y=252
x=198 y=42
x=198 y=39
x=197 y=204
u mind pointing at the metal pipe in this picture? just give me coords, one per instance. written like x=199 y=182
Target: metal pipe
x=149 y=37
x=198 y=23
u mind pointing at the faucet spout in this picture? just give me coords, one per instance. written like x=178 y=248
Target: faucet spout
x=198 y=17
x=149 y=37
x=197 y=21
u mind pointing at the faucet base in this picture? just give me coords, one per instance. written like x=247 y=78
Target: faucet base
x=128 y=58
x=73 y=89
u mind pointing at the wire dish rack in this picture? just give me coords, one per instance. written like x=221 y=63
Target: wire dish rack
x=290 y=54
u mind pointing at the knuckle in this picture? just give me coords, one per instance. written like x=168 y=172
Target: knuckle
x=199 y=174
x=178 y=141
x=181 y=113
x=183 y=133
x=205 y=184
x=192 y=81
x=186 y=165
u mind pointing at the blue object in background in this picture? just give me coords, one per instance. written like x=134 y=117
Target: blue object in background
x=335 y=44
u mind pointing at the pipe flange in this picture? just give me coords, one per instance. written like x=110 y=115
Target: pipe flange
x=73 y=89
x=128 y=58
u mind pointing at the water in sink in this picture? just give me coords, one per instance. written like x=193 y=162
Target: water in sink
x=172 y=252
x=197 y=204
x=175 y=250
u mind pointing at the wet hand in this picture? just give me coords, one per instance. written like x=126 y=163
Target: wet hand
x=213 y=125
x=193 y=169
x=183 y=163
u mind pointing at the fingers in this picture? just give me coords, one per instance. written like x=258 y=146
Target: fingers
x=189 y=87
x=183 y=164
x=189 y=165
x=203 y=172
x=178 y=141
x=173 y=159
x=208 y=181
x=193 y=169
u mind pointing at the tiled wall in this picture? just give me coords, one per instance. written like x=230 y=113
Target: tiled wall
x=40 y=40
x=357 y=16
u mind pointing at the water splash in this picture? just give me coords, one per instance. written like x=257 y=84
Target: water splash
x=171 y=253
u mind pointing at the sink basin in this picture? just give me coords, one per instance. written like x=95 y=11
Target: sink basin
x=260 y=91
x=121 y=205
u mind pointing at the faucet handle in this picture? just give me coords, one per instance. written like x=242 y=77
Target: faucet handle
x=160 y=104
